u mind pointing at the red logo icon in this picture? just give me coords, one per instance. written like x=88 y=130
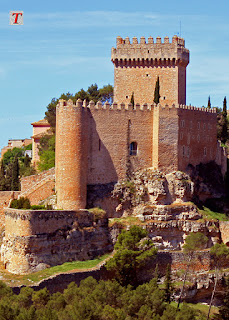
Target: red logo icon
x=16 y=17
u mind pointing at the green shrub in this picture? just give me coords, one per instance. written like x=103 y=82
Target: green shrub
x=98 y=213
x=21 y=203
x=38 y=207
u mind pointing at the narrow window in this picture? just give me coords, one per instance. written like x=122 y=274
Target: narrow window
x=133 y=148
x=181 y=135
x=188 y=138
x=99 y=144
x=183 y=151
x=182 y=123
x=205 y=151
x=198 y=138
x=204 y=126
x=188 y=152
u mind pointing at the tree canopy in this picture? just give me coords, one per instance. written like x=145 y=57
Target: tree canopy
x=133 y=250
x=15 y=163
x=93 y=93
x=103 y=300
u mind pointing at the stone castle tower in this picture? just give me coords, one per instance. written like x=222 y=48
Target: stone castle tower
x=137 y=66
x=97 y=145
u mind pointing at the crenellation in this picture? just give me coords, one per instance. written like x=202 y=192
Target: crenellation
x=122 y=106
x=142 y=40
x=99 y=105
x=150 y=40
x=85 y=104
x=135 y=40
x=158 y=40
x=91 y=104
x=106 y=105
x=79 y=103
x=166 y=39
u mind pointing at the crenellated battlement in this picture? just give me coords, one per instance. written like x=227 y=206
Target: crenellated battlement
x=128 y=106
x=142 y=53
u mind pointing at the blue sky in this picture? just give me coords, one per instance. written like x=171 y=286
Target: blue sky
x=65 y=46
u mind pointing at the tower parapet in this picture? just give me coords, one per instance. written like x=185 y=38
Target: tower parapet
x=146 y=53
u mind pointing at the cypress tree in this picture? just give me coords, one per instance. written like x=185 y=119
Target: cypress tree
x=168 y=284
x=15 y=182
x=224 y=130
x=132 y=99
x=157 y=92
x=209 y=103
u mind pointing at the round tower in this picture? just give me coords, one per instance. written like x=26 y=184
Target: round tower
x=71 y=155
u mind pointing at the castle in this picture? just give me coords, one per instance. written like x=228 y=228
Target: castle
x=97 y=145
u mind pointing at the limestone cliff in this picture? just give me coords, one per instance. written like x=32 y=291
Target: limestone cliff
x=162 y=205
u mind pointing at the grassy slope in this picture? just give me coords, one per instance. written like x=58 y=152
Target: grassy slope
x=13 y=279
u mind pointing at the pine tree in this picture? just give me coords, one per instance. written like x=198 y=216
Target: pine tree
x=157 y=92
x=132 y=99
x=209 y=103
x=15 y=182
x=156 y=272
x=224 y=309
x=220 y=254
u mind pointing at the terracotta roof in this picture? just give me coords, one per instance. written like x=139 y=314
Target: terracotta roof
x=42 y=122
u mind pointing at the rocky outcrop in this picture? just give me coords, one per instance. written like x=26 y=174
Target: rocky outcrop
x=153 y=187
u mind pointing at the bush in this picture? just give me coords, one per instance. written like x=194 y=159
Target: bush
x=21 y=203
x=98 y=213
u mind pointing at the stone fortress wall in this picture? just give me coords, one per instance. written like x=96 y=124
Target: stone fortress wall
x=98 y=137
x=38 y=239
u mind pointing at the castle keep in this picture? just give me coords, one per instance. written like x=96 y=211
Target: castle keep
x=96 y=145
x=137 y=66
